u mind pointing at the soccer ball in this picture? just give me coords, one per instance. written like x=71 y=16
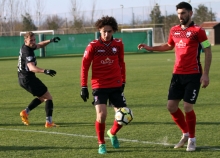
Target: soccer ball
x=123 y=116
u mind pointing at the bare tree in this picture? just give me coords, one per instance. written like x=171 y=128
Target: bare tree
x=25 y=6
x=2 y=15
x=53 y=22
x=93 y=10
x=78 y=16
x=13 y=12
x=75 y=9
x=2 y=7
x=40 y=4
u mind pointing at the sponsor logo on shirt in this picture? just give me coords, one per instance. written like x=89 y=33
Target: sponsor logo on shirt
x=181 y=44
x=188 y=34
x=177 y=33
x=101 y=50
x=107 y=61
x=114 y=50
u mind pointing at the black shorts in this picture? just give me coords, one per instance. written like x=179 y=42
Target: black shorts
x=114 y=95
x=185 y=87
x=33 y=85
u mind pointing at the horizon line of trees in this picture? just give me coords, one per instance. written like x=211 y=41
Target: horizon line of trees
x=77 y=23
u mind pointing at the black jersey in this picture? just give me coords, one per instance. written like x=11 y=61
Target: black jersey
x=26 y=55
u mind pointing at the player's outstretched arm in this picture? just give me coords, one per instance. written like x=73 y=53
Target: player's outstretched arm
x=46 y=42
x=163 y=47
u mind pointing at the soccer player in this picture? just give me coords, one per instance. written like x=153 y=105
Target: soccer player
x=108 y=77
x=27 y=67
x=188 y=39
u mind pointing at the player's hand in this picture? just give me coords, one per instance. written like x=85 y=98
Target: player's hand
x=55 y=39
x=84 y=94
x=50 y=72
x=123 y=87
x=141 y=46
x=144 y=46
x=204 y=80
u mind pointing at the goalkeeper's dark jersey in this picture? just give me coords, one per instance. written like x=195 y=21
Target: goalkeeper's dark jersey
x=26 y=55
x=108 y=67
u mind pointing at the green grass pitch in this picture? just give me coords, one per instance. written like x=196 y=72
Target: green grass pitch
x=151 y=134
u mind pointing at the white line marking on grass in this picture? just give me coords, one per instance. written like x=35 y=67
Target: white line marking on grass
x=83 y=136
x=86 y=136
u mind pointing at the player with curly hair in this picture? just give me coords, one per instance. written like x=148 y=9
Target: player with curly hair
x=106 y=54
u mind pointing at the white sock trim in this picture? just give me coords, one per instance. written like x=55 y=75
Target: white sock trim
x=186 y=134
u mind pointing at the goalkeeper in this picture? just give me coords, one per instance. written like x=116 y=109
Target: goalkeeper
x=26 y=77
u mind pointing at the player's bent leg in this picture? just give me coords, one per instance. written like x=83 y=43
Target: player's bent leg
x=179 y=118
x=45 y=96
x=114 y=139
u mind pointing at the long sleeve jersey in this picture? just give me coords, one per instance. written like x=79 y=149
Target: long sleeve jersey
x=108 y=67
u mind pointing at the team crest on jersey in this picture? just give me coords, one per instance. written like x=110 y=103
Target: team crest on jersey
x=29 y=58
x=188 y=34
x=114 y=50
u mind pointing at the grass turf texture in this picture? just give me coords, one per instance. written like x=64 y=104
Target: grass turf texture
x=152 y=133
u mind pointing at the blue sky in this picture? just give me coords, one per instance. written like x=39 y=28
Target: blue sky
x=113 y=7
x=63 y=6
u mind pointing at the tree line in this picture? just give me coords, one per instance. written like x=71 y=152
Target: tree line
x=18 y=19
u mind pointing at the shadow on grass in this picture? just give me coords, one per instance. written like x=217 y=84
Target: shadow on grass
x=61 y=124
x=78 y=124
x=8 y=148
x=172 y=123
x=213 y=148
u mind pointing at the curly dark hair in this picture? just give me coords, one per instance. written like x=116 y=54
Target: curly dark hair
x=107 y=20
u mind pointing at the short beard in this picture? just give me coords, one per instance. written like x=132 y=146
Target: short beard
x=184 y=22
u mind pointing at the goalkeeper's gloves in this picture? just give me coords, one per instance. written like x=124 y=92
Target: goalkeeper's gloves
x=50 y=72
x=55 y=39
x=123 y=87
x=84 y=94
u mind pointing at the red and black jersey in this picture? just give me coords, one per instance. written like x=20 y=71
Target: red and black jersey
x=187 y=44
x=108 y=67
